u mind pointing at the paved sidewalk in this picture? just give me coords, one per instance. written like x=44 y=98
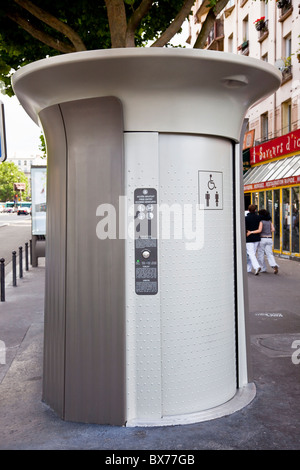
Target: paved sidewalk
x=270 y=421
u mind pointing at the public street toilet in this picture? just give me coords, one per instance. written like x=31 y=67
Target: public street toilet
x=146 y=294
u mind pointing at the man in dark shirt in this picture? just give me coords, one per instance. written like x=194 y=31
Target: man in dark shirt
x=253 y=239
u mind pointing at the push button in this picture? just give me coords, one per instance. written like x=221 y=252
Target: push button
x=146 y=254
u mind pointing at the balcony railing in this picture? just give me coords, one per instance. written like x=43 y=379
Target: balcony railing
x=285 y=6
x=295 y=125
x=244 y=48
x=287 y=73
x=263 y=30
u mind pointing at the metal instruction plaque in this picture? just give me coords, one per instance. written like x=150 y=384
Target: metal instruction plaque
x=145 y=217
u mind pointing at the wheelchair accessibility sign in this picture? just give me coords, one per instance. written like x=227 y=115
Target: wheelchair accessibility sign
x=210 y=190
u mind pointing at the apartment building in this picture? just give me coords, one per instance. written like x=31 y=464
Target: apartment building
x=25 y=163
x=268 y=31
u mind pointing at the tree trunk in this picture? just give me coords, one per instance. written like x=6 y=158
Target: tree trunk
x=208 y=23
x=117 y=22
x=51 y=21
x=175 y=25
x=135 y=20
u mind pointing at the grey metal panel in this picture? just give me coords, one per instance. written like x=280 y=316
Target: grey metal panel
x=95 y=296
x=54 y=341
x=38 y=249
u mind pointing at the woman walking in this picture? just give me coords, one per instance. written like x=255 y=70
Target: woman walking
x=252 y=239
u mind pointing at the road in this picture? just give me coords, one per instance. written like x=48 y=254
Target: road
x=15 y=231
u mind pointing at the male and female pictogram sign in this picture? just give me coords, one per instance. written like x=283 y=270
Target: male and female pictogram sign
x=210 y=190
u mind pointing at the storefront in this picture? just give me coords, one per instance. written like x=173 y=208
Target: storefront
x=273 y=183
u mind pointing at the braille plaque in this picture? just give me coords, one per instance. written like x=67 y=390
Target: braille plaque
x=145 y=218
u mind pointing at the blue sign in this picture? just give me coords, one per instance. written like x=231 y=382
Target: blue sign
x=3 y=153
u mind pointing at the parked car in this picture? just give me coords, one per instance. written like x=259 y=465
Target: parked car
x=23 y=211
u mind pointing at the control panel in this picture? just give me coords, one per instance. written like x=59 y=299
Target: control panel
x=145 y=215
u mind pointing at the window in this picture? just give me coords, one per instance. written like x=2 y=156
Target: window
x=25 y=162
x=286 y=117
x=264 y=127
x=244 y=47
x=230 y=43
x=287 y=45
x=286 y=219
x=269 y=203
x=295 y=219
x=265 y=10
x=255 y=199
x=229 y=7
x=287 y=59
x=264 y=26
x=245 y=29
x=286 y=8
x=261 y=200
x=276 y=218
x=247 y=199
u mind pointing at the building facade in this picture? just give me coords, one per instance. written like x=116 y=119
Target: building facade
x=25 y=163
x=268 y=31
x=273 y=182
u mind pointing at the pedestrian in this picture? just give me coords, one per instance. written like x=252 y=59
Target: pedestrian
x=265 y=247
x=252 y=239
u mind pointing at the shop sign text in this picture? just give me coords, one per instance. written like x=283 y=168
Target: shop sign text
x=284 y=145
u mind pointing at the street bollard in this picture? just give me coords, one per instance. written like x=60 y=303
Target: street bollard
x=21 y=261
x=2 y=275
x=26 y=256
x=14 y=268
x=30 y=252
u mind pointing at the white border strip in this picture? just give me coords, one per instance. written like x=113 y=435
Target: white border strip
x=241 y=399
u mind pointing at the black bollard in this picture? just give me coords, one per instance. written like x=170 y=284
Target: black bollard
x=14 y=268
x=2 y=275
x=21 y=261
x=30 y=249
x=26 y=256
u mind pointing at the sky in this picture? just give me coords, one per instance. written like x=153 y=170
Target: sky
x=22 y=134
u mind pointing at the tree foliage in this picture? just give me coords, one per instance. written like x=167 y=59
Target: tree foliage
x=42 y=146
x=10 y=174
x=32 y=30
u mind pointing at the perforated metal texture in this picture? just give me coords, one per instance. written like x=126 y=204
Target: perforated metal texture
x=143 y=323
x=197 y=285
x=181 y=342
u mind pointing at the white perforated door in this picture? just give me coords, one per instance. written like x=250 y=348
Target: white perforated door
x=197 y=275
